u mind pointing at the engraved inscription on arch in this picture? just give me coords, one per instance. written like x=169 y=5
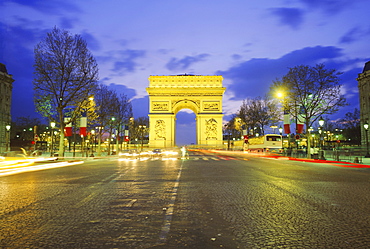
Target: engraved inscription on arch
x=160 y=105
x=211 y=106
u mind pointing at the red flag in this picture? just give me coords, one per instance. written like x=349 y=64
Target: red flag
x=300 y=123
x=83 y=126
x=286 y=123
x=67 y=128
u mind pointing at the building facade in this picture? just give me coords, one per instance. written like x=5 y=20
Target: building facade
x=6 y=86
x=364 y=93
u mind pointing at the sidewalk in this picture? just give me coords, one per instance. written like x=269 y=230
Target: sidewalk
x=78 y=156
x=362 y=161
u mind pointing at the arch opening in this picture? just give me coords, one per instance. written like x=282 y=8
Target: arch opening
x=185 y=127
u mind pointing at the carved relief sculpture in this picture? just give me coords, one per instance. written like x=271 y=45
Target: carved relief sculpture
x=160 y=129
x=211 y=129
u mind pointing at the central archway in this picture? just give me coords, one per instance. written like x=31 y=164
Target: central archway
x=170 y=94
x=185 y=131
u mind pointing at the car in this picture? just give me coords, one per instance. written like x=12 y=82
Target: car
x=129 y=154
x=157 y=153
x=171 y=153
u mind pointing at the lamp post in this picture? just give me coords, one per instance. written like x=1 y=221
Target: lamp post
x=142 y=128
x=366 y=126
x=99 y=131
x=52 y=126
x=321 y=123
x=93 y=142
x=7 y=137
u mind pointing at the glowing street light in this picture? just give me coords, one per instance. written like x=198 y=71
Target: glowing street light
x=8 y=137
x=321 y=123
x=366 y=126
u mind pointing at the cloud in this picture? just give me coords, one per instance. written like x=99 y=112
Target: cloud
x=253 y=77
x=92 y=42
x=48 y=7
x=292 y=17
x=329 y=6
x=184 y=63
x=353 y=35
x=140 y=107
x=126 y=63
x=236 y=56
x=122 y=89
x=164 y=51
x=18 y=41
x=68 y=23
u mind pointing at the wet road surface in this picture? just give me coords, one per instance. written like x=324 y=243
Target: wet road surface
x=206 y=201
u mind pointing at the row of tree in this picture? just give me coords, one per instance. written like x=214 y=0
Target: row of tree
x=306 y=93
x=66 y=86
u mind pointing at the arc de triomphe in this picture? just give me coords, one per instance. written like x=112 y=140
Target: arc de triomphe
x=170 y=94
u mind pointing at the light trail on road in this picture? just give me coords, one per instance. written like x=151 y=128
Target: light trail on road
x=26 y=166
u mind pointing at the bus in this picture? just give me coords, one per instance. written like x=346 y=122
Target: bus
x=266 y=143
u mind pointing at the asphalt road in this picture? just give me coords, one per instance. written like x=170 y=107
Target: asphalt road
x=206 y=201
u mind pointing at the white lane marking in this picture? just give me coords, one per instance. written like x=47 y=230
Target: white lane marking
x=169 y=210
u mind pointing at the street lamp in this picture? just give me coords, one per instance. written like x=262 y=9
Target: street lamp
x=52 y=126
x=142 y=128
x=99 y=130
x=321 y=123
x=8 y=137
x=366 y=126
x=93 y=140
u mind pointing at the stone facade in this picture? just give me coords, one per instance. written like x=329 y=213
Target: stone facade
x=170 y=94
x=364 y=94
x=6 y=86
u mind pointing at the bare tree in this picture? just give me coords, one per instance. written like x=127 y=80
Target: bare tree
x=233 y=129
x=258 y=113
x=106 y=106
x=66 y=75
x=113 y=112
x=137 y=127
x=310 y=92
x=122 y=115
x=351 y=126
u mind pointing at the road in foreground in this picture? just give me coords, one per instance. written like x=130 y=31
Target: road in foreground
x=206 y=201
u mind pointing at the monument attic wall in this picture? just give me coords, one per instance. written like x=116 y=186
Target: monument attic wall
x=185 y=81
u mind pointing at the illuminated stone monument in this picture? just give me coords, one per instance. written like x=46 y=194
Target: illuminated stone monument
x=170 y=94
x=6 y=86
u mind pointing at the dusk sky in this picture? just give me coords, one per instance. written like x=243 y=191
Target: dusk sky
x=250 y=43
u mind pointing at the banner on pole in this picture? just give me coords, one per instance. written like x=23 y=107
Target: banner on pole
x=83 y=126
x=68 y=127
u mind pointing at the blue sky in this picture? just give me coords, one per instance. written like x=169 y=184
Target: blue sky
x=249 y=43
